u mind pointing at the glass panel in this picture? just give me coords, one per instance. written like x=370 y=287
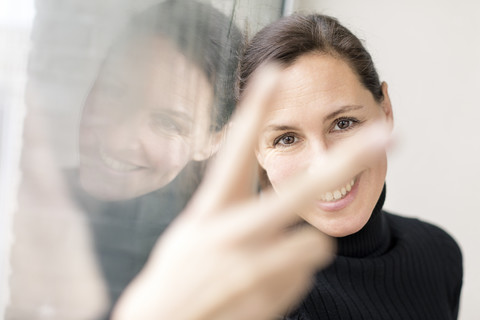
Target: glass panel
x=124 y=104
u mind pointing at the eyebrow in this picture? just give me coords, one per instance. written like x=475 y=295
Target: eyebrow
x=176 y=114
x=342 y=110
x=275 y=127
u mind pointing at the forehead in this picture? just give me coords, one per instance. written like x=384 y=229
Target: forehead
x=314 y=87
x=319 y=79
x=154 y=69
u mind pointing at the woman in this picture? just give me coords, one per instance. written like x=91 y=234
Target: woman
x=387 y=266
x=160 y=100
x=318 y=125
x=155 y=113
x=232 y=254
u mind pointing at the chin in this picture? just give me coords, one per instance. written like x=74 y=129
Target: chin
x=348 y=215
x=340 y=226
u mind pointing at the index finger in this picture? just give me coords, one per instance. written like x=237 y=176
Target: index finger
x=232 y=175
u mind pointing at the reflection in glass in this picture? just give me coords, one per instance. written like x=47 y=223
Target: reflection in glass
x=153 y=114
x=156 y=111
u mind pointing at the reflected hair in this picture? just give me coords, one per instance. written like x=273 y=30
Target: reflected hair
x=289 y=38
x=206 y=37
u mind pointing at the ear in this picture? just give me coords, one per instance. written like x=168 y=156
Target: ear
x=260 y=158
x=387 y=105
x=262 y=173
x=211 y=146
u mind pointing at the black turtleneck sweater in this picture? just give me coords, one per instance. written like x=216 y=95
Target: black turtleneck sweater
x=124 y=232
x=394 y=268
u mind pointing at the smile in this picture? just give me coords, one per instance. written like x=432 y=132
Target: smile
x=116 y=165
x=338 y=194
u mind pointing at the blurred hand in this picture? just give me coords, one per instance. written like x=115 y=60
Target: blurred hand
x=230 y=254
x=54 y=273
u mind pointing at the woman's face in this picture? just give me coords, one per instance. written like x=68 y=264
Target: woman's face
x=320 y=103
x=146 y=117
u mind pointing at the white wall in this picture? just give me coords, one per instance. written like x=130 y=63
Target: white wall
x=429 y=53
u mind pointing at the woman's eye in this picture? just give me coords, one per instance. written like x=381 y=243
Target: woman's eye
x=343 y=124
x=285 y=140
x=168 y=125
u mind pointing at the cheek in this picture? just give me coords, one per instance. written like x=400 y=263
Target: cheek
x=379 y=166
x=86 y=139
x=373 y=181
x=89 y=130
x=281 y=167
x=168 y=155
x=99 y=118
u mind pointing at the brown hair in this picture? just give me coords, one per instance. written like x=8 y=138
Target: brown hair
x=285 y=40
x=205 y=36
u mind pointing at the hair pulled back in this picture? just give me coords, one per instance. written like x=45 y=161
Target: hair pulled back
x=206 y=37
x=291 y=37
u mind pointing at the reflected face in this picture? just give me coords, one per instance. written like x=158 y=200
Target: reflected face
x=146 y=117
x=320 y=103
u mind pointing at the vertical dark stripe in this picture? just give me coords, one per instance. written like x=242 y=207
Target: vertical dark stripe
x=349 y=293
x=232 y=17
x=400 y=284
x=370 y=288
x=354 y=275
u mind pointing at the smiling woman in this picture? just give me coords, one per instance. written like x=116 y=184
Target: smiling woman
x=160 y=100
x=155 y=113
x=319 y=104
x=138 y=130
x=387 y=266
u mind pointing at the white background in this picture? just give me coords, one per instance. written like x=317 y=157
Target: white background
x=428 y=51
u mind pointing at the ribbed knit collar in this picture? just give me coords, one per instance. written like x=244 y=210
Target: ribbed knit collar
x=372 y=240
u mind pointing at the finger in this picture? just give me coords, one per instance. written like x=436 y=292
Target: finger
x=282 y=265
x=276 y=210
x=280 y=268
x=304 y=247
x=232 y=176
x=297 y=257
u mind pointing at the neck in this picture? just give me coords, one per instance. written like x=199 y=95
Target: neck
x=372 y=240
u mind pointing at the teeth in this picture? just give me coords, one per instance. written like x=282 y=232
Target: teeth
x=339 y=193
x=116 y=165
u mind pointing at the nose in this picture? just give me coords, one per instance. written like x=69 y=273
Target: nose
x=123 y=136
x=317 y=150
x=319 y=146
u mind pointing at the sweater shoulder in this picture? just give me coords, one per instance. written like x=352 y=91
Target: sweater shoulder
x=414 y=227
x=431 y=245
x=429 y=236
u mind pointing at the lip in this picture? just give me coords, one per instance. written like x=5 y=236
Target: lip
x=115 y=164
x=341 y=203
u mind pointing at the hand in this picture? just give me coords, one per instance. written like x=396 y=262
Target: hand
x=54 y=271
x=230 y=254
